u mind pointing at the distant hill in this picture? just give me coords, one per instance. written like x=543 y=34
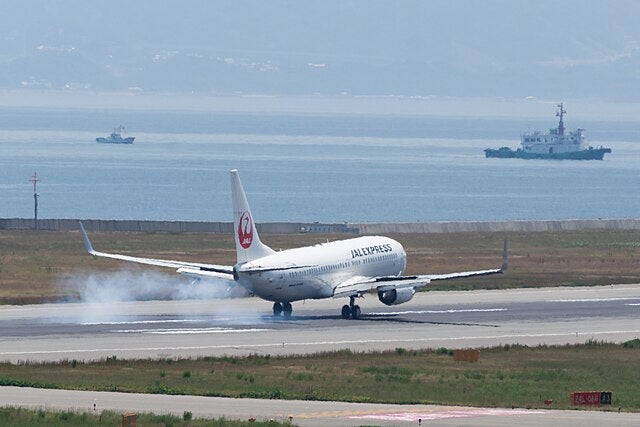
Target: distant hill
x=569 y=49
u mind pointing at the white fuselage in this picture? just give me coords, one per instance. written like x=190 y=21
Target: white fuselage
x=313 y=272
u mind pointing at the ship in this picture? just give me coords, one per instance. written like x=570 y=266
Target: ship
x=553 y=145
x=116 y=137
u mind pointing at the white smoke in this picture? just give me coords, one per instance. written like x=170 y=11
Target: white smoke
x=104 y=296
x=146 y=285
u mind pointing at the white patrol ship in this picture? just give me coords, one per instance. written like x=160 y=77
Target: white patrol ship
x=553 y=145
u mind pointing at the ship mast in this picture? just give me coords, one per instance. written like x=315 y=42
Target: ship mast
x=560 y=114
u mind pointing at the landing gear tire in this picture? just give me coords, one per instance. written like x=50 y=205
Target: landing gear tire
x=277 y=309
x=286 y=310
x=346 y=312
x=351 y=311
x=355 y=312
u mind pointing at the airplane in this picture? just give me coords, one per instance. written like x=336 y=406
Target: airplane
x=340 y=269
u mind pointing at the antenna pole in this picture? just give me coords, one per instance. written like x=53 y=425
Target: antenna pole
x=560 y=114
x=35 y=181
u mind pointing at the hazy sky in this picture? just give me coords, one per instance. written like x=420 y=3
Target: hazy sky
x=579 y=49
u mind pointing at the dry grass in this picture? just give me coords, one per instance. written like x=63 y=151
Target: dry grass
x=34 y=265
x=25 y=417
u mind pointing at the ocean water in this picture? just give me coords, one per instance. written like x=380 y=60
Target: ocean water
x=354 y=168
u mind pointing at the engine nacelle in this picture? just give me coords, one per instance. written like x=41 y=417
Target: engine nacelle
x=396 y=296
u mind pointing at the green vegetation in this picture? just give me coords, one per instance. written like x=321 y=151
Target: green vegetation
x=504 y=376
x=22 y=417
x=40 y=266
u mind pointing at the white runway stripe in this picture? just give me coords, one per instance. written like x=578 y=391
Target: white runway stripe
x=140 y=322
x=596 y=299
x=468 y=310
x=186 y=331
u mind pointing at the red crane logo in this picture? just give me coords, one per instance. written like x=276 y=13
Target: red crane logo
x=245 y=230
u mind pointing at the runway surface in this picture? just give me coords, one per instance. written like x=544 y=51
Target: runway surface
x=154 y=329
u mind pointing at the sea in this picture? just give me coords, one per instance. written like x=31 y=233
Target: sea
x=329 y=168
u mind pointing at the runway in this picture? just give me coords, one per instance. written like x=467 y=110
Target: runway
x=158 y=329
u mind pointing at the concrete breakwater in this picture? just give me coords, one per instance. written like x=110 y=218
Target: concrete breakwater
x=300 y=227
x=499 y=226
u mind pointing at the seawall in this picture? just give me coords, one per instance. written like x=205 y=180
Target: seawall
x=299 y=227
x=497 y=226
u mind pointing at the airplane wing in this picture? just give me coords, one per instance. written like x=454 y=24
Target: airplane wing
x=189 y=268
x=357 y=286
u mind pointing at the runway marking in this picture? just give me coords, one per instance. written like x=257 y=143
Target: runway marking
x=187 y=331
x=633 y=305
x=468 y=310
x=595 y=299
x=282 y=344
x=140 y=322
x=420 y=412
x=444 y=414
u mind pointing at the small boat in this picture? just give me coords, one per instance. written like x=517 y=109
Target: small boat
x=116 y=137
x=555 y=144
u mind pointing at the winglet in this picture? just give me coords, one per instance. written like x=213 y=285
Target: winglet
x=87 y=242
x=505 y=258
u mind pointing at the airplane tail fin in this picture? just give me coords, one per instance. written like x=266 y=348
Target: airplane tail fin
x=248 y=244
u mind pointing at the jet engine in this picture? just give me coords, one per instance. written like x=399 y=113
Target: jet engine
x=396 y=296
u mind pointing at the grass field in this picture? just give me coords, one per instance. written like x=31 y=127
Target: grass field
x=38 y=266
x=503 y=377
x=22 y=417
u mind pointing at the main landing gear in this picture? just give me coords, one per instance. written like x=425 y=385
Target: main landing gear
x=282 y=308
x=351 y=311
